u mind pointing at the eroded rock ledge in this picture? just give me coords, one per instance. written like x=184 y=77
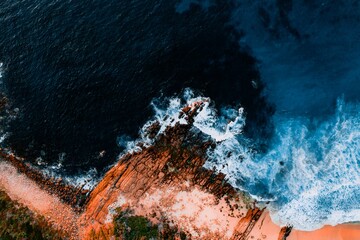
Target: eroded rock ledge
x=156 y=180
x=167 y=184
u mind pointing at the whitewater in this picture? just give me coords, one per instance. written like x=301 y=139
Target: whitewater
x=309 y=175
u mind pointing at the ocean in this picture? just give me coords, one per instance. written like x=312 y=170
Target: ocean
x=83 y=74
x=282 y=79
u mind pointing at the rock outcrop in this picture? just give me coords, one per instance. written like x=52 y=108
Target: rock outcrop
x=285 y=232
x=166 y=183
x=175 y=164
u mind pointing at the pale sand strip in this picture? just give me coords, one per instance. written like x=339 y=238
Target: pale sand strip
x=339 y=232
x=22 y=189
x=266 y=229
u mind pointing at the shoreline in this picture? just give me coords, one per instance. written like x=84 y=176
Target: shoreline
x=24 y=190
x=346 y=231
x=74 y=196
x=166 y=181
x=20 y=188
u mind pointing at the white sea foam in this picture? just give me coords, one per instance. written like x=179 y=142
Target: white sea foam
x=3 y=137
x=219 y=127
x=86 y=180
x=166 y=117
x=1 y=69
x=322 y=175
x=310 y=173
x=3 y=134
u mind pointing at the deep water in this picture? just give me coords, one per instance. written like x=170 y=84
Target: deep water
x=83 y=73
x=308 y=51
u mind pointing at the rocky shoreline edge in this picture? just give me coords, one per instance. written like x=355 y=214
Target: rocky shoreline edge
x=165 y=183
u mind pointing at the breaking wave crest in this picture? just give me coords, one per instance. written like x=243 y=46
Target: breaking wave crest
x=206 y=120
x=1 y=69
x=310 y=173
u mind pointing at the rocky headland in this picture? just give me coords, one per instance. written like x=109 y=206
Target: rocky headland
x=162 y=189
x=167 y=183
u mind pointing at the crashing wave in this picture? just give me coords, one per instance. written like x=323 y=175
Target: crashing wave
x=1 y=69
x=320 y=181
x=310 y=173
x=229 y=124
x=3 y=133
x=85 y=179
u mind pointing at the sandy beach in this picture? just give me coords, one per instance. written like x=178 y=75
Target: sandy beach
x=339 y=232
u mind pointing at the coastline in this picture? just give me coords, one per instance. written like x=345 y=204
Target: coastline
x=166 y=183
x=347 y=231
x=20 y=188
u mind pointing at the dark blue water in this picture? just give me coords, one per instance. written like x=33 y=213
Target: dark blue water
x=83 y=73
x=309 y=51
